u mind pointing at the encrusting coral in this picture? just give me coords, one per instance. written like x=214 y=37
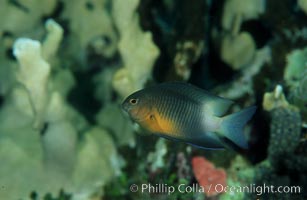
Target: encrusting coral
x=285 y=128
x=208 y=176
x=285 y=131
x=275 y=99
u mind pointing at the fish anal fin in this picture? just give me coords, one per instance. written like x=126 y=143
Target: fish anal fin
x=209 y=141
x=207 y=148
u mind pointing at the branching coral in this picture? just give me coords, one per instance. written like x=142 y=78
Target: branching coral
x=303 y=5
x=245 y=81
x=238 y=49
x=237 y=11
x=53 y=39
x=301 y=90
x=33 y=74
x=296 y=67
x=97 y=162
x=49 y=153
x=106 y=117
x=23 y=16
x=295 y=76
x=34 y=70
x=137 y=66
x=94 y=29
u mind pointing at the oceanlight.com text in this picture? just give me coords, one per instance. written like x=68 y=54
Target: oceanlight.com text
x=218 y=188
x=257 y=189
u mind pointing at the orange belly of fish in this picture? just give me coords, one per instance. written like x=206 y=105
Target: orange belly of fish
x=156 y=124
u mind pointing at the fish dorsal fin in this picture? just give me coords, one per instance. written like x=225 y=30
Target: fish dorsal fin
x=216 y=105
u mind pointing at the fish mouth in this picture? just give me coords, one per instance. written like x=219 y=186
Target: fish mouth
x=126 y=108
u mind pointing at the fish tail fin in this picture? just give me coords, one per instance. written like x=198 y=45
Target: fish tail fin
x=232 y=126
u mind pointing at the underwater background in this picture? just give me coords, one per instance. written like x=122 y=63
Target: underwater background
x=66 y=66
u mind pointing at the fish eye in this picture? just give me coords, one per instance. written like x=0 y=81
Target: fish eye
x=133 y=101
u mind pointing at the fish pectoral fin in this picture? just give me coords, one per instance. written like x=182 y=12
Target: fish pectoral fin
x=140 y=130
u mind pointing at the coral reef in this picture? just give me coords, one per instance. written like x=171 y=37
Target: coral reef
x=65 y=67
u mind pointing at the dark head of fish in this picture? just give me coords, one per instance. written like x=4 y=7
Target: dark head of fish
x=137 y=105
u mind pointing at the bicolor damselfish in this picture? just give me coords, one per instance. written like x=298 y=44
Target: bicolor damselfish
x=189 y=114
